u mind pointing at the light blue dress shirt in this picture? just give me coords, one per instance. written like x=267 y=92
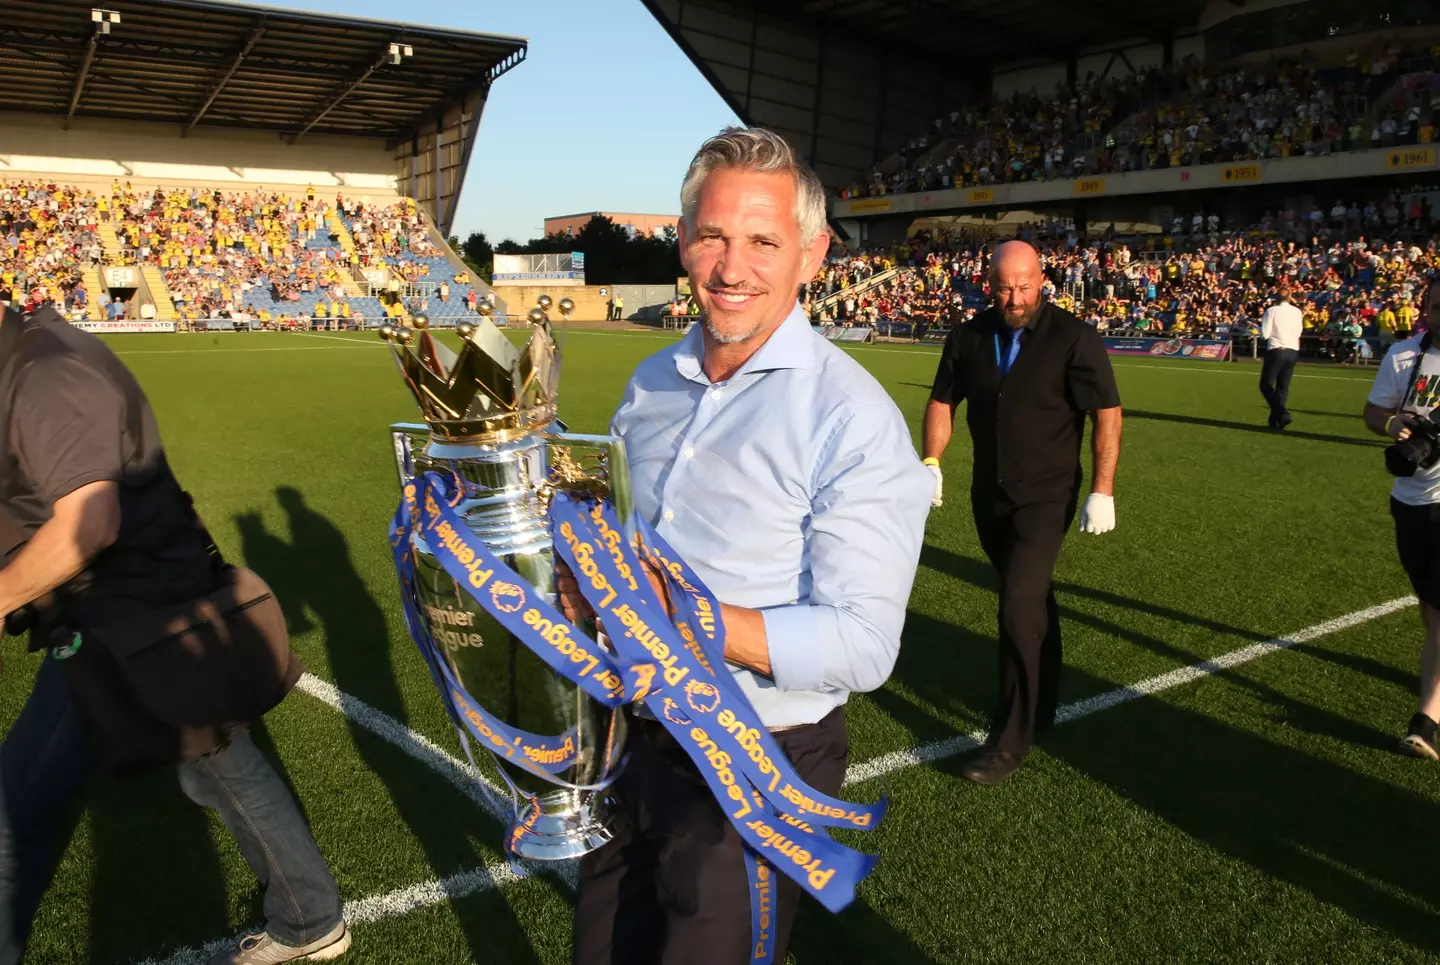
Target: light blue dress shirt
x=792 y=488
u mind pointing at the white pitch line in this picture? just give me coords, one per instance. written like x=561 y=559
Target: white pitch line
x=341 y=338
x=402 y=901
x=391 y=904
x=951 y=746
x=477 y=787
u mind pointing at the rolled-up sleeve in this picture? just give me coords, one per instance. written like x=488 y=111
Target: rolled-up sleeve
x=863 y=542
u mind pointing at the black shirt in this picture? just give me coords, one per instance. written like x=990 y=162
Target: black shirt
x=73 y=415
x=1027 y=429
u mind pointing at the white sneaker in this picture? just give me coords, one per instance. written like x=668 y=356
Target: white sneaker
x=262 y=949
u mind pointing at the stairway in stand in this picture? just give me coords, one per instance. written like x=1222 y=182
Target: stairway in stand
x=110 y=241
x=347 y=244
x=91 y=278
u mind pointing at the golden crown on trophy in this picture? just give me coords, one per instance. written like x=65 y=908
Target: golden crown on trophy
x=492 y=391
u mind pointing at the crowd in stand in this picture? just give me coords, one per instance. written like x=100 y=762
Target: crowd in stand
x=1173 y=116
x=392 y=235
x=48 y=237
x=214 y=247
x=1355 y=276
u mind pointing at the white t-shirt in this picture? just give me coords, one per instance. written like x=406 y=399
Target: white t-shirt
x=1281 y=326
x=1391 y=381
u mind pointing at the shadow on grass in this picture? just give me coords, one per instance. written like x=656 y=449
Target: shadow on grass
x=856 y=935
x=1291 y=433
x=138 y=827
x=1350 y=839
x=1321 y=412
x=1347 y=837
x=980 y=574
x=313 y=572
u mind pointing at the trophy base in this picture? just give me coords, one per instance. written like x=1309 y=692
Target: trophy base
x=561 y=825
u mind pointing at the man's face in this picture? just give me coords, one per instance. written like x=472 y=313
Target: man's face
x=743 y=252
x=1016 y=284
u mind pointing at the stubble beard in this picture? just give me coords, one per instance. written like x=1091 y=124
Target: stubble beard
x=729 y=338
x=1025 y=319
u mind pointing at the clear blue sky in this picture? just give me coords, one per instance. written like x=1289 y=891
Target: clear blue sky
x=603 y=114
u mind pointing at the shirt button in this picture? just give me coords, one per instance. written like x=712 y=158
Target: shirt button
x=669 y=515
x=716 y=393
x=689 y=452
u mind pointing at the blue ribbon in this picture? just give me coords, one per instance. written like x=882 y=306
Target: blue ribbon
x=674 y=664
x=694 y=696
x=540 y=755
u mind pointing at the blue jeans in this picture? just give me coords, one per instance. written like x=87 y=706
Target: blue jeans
x=46 y=764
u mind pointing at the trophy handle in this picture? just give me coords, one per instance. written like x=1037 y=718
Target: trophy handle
x=617 y=470
x=404 y=437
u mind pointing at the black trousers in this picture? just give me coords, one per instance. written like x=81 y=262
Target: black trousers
x=671 y=889
x=1023 y=543
x=1275 y=375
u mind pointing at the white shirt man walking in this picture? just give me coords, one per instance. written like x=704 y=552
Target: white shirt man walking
x=1280 y=326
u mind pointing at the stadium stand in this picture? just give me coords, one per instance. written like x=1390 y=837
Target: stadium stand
x=50 y=247
x=1357 y=272
x=193 y=163
x=1171 y=117
x=266 y=258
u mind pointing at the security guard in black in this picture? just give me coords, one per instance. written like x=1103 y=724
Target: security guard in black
x=1031 y=372
x=1026 y=429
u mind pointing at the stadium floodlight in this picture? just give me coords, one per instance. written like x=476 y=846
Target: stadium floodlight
x=399 y=52
x=103 y=19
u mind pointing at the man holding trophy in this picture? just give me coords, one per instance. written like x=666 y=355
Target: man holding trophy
x=685 y=743
x=780 y=470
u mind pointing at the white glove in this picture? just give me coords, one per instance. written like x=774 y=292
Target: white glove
x=1098 y=516
x=937 y=500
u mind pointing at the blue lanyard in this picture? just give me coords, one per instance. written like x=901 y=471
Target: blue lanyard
x=1004 y=366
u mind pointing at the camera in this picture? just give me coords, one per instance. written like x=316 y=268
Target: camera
x=1420 y=451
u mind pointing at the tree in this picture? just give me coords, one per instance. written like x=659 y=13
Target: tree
x=476 y=252
x=613 y=255
x=476 y=248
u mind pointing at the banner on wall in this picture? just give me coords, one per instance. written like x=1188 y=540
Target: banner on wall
x=128 y=326
x=1204 y=349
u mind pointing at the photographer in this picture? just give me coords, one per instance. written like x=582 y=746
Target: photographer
x=157 y=652
x=1402 y=405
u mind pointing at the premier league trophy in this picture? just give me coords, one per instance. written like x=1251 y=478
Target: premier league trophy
x=490 y=430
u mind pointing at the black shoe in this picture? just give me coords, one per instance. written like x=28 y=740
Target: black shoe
x=991 y=767
x=1419 y=738
x=1284 y=422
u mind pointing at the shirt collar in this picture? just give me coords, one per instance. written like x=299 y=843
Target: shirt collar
x=788 y=347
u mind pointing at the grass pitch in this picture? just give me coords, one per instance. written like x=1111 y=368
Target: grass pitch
x=1259 y=814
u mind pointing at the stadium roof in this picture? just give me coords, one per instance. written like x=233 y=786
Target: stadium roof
x=194 y=62
x=849 y=80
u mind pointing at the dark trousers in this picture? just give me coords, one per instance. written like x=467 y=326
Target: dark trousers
x=671 y=889
x=46 y=765
x=1275 y=375
x=1023 y=543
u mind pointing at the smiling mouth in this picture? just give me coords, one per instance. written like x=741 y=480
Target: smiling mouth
x=733 y=298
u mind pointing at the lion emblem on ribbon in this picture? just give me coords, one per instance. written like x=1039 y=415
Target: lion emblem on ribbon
x=702 y=697
x=672 y=713
x=507 y=597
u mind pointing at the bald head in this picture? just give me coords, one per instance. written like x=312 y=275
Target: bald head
x=1015 y=256
x=1015 y=281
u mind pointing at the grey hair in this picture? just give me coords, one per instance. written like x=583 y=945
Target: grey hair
x=756 y=149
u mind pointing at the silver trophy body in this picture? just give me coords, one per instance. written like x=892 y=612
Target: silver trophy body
x=508 y=469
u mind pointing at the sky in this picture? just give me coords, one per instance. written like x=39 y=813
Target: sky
x=604 y=113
